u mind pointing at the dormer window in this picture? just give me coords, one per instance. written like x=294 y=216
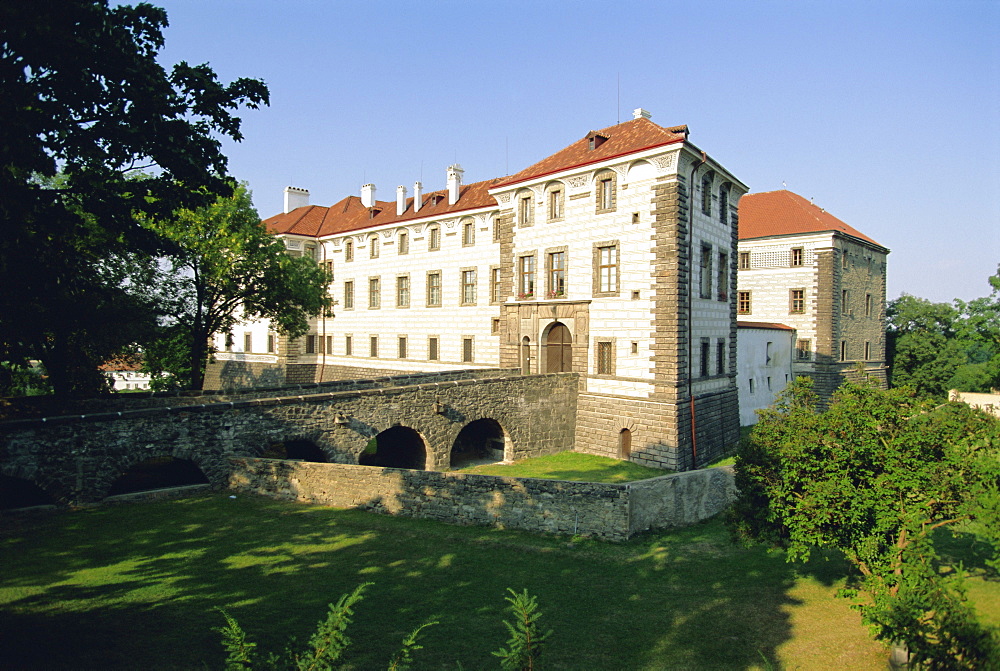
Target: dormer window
x=436 y=198
x=595 y=140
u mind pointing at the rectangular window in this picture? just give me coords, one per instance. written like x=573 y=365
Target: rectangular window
x=247 y=342
x=607 y=269
x=373 y=246
x=468 y=287
x=720 y=357
x=843 y=350
x=403 y=291
x=796 y=256
x=373 y=346
x=706 y=346
x=557 y=274
x=803 y=350
x=467 y=350
x=403 y=246
x=349 y=295
x=495 y=326
x=496 y=229
x=434 y=290
x=310 y=344
x=271 y=342
x=605 y=358
x=374 y=293
x=401 y=347
x=722 y=279
x=868 y=350
x=606 y=194
x=524 y=211
x=328 y=267
x=434 y=239
x=526 y=273
x=843 y=301
x=468 y=234
x=348 y=345
x=706 y=271
x=348 y=250
x=495 y=285
x=751 y=385
x=797 y=301
x=555 y=204
x=844 y=262
x=868 y=305
x=706 y=193
x=432 y=349
x=744 y=260
x=329 y=345
x=743 y=302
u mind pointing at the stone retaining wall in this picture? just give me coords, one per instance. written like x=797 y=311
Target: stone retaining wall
x=613 y=512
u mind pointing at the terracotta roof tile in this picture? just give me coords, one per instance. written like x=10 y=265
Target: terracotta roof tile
x=350 y=215
x=786 y=213
x=623 y=138
x=764 y=325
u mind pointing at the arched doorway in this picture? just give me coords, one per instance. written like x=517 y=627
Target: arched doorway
x=624 y=444
x=558 y=349
x=481 y=441
x=158 y=473
x=398 y=447
x=525 y=355
x=297 y=450
x=21 y=493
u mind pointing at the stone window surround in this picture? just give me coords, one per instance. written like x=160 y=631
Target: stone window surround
x=612 y=360
x=523 y=293
x=373 y=246
x=704 y=357
x=524 y=211
x=707 y=179
x=468 y=349
x=401 y=304
x=433 y=347
x=705 y=278
x=348 y=344
x=373 y=346
x=496 y=287
x=791 y=301
x=599 y=177
x=721 y=357
x=549 y=290
x=348 y=250
x=440 y=288
x=468 y=229
x=744 y=260
x=461 y=282
x=433 y=238
x=402 y=347
x=551 y=190
x=403 y=246
x=596 y=269
x=374 y=297
x=349 y=294
x=741 y=297
x=722 y=279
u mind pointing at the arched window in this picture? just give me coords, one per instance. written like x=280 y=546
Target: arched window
x=624 y=444
x=525 y=356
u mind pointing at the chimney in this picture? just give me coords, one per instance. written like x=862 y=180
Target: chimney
x=417 y=196
x=368 y=195
x=400 y=200
x=454 y=182
x=295 y=197
x=640 y=113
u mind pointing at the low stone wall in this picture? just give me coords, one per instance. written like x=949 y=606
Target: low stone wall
x=608 y=511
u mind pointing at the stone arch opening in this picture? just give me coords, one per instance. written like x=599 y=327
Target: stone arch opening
x=20 y=493
x=482 y=441
x=158 y=473
x=398 y=447
x=624 y=444
x=558 y=348
x=296 y=450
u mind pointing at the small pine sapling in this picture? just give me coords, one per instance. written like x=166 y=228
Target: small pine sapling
x=526 y=638
x=402 y=660
x=234 y=640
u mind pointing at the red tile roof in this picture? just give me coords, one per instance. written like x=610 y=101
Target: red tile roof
x=350 y=215
x=786 y=213
x=623 y=138
x=763 y=325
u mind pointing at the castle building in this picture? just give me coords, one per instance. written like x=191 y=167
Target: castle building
x=804 y=268
x=614 y=258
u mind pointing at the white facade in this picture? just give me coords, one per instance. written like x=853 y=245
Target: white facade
x=765 y=366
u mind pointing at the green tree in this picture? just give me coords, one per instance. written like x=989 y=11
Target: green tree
x=228 y=268
x=85 y=98
x=979 y=332
x=921 y=343
x=875 y=477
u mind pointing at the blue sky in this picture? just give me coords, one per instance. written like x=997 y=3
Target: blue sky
x=886 y=114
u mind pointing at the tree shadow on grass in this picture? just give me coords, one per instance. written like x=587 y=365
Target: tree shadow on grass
x=135 y=587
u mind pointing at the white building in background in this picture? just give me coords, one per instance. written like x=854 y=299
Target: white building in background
x=765 y=364
x=614 y=258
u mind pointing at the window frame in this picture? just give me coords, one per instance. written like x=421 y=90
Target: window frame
x=348 y=250
x=526 y=276
x=349 y=294
x=434 y=238
x=373 y=346
x=605 y=191
x=796 y=257
x=797 y=304
x=705 y=277
x=744 y=261
x=607 y=270
x=467 y=289
x=555 y=202
x=468 y=233
x=403 y=291
x=555 y=274
x=435 y=289
x=373 y=246
x=375 y=292
x=722 y=276
x=744 y=298
x=604 y=356
x=433 y=348
x=402 y=243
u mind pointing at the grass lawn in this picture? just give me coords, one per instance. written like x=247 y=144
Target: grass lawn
x=134 y=587
x=571 y=466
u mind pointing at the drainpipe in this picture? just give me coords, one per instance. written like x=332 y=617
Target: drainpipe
x=690 y=316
